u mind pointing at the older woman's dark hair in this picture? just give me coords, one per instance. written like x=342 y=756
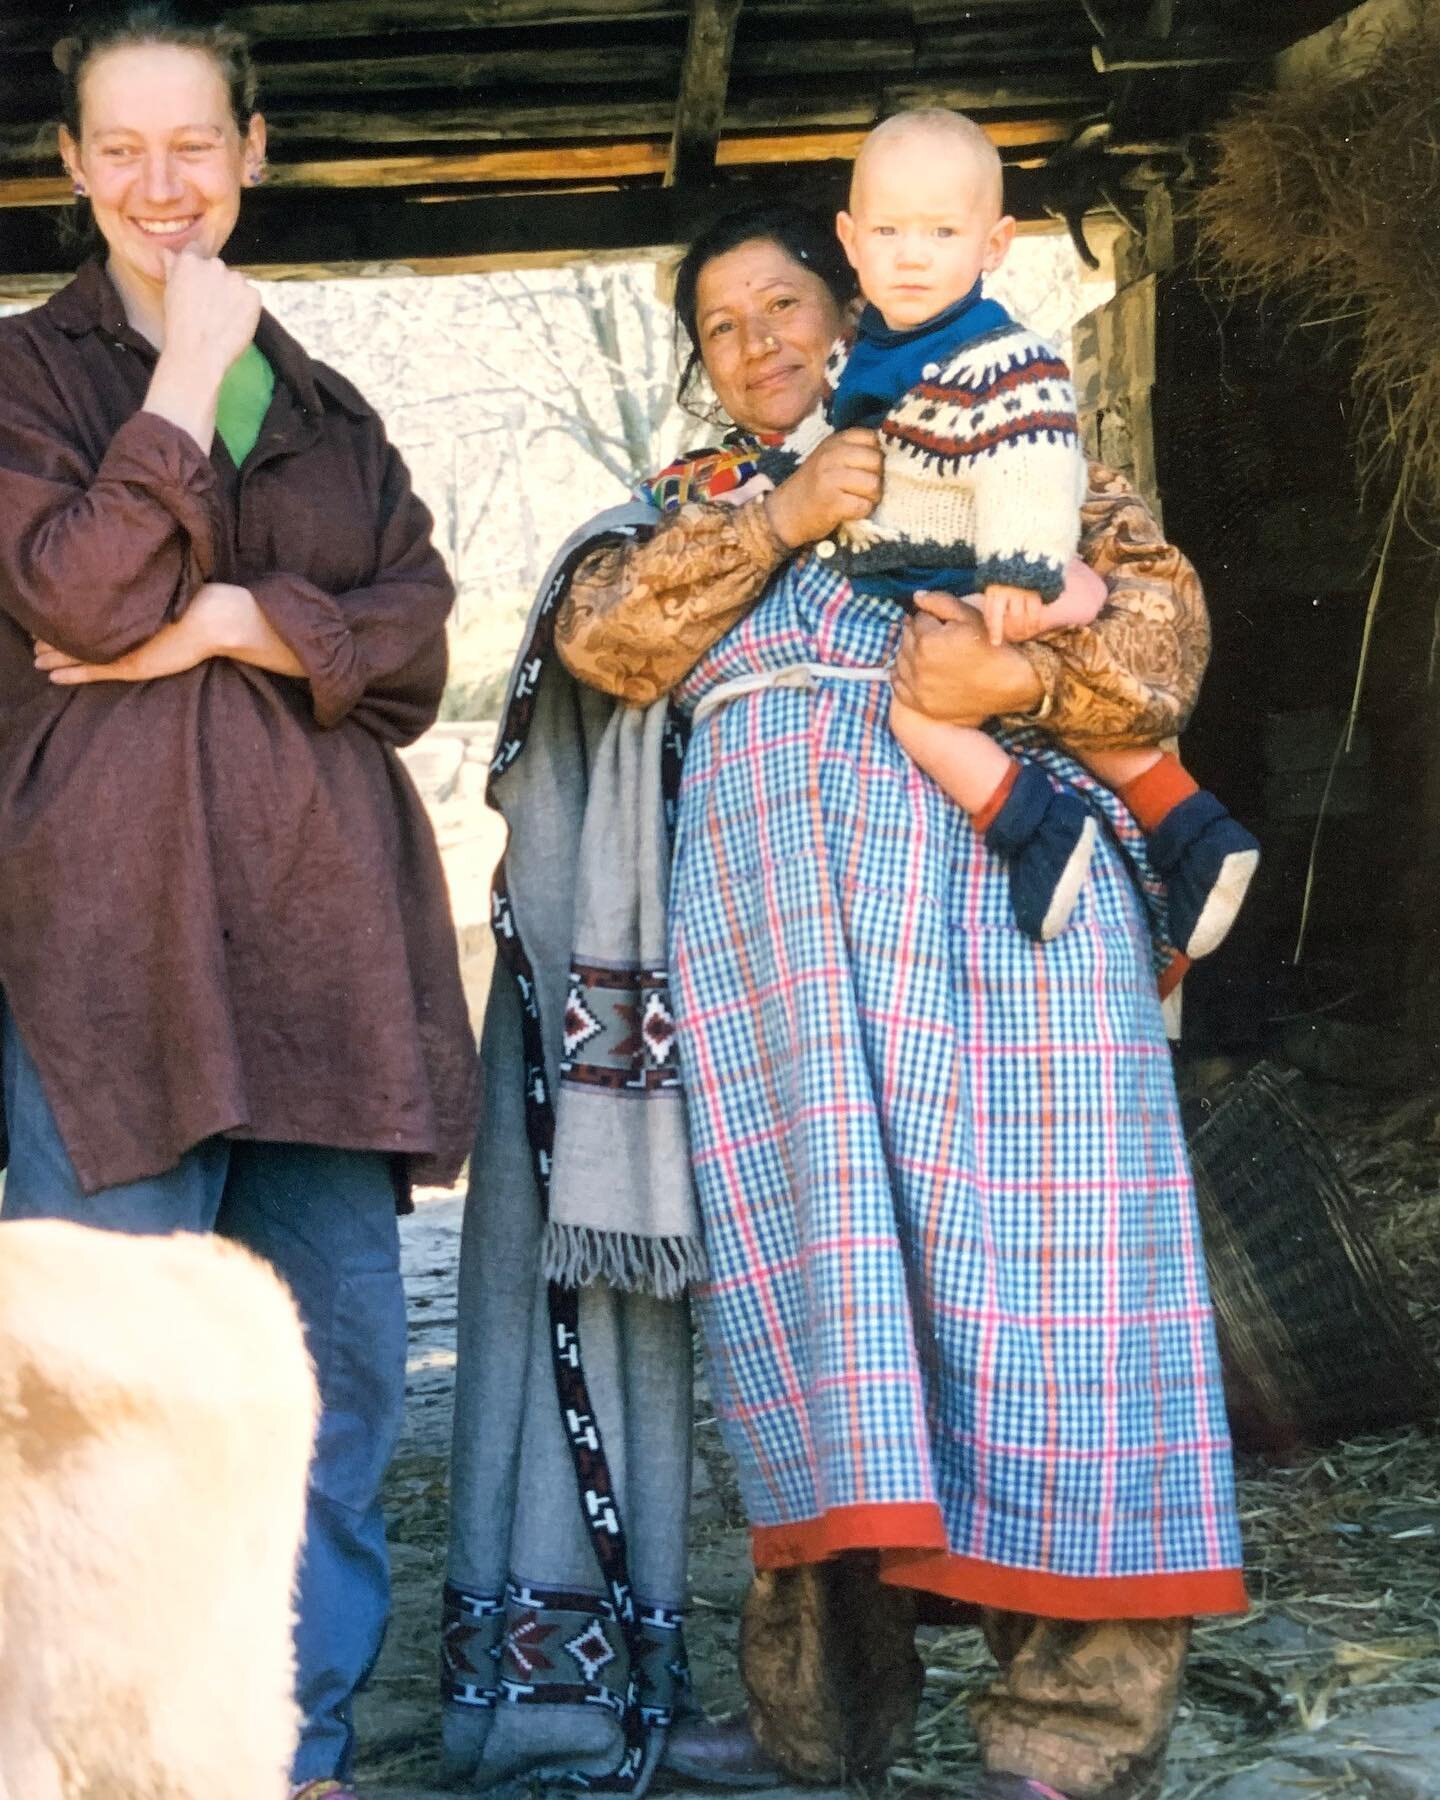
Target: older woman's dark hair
x=123 y=27
x=803 y=235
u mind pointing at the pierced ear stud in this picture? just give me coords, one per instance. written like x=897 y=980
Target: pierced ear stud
x=770 y=344
x=80 y=190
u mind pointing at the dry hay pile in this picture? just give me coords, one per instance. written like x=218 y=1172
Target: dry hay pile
x=1327 y=194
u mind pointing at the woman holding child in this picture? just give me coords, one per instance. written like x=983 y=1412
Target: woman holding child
x=954 y=1310
x=231 y=990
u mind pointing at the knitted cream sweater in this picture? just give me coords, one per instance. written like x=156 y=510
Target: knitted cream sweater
x=983 y=467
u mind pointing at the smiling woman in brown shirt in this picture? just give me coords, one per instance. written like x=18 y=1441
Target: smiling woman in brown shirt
x=232 y=996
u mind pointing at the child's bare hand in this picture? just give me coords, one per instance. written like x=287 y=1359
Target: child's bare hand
x=1012 y=614
x=945 y=607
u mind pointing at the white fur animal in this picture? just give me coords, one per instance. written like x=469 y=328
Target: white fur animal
x=157 y=1409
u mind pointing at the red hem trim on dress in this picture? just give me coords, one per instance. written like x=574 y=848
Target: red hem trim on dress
x=1180 y=1596
x=907 y=1527
x=910 y=1536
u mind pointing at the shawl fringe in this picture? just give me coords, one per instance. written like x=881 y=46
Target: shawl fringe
x=575 y=1255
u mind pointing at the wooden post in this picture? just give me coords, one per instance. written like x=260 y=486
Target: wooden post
x=1114 y=376
x=704 y=80
x=1115 y=354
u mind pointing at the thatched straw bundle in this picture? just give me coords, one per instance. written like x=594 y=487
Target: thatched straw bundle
x=1329 y=192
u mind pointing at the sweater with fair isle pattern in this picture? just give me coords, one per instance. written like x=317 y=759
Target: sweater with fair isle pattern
x=984 y=472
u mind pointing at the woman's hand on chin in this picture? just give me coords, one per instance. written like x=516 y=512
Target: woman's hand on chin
x=948 y=669
x=211 y=311
x=210 y=317
x=201 y=632
x=840 y=479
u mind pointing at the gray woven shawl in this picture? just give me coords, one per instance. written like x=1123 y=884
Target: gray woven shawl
x=580 y=782
x=563 y=1646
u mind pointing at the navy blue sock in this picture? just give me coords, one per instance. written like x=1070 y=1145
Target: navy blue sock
x=1047 y=834
x=1207 y=860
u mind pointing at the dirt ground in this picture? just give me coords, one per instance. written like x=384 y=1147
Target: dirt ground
x=1330 y=1687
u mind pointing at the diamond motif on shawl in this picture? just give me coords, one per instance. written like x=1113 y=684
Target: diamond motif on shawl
x=658 y=1027
x=592 y=1649
x=580 y=1023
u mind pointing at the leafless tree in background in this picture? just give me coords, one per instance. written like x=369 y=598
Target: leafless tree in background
x=597 y=362
x=478 y=375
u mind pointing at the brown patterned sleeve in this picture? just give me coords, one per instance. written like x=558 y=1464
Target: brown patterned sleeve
x=1132 y=676
x=639 y=616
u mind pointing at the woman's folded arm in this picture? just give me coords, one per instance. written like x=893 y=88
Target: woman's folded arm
x=375 y=654
x=96 y=560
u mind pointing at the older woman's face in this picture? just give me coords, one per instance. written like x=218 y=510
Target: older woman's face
x=765 y=325
x=160 y=155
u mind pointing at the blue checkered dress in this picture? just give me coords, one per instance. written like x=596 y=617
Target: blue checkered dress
x=956 y=1308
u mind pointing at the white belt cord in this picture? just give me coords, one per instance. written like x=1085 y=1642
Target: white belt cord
x=793 y=675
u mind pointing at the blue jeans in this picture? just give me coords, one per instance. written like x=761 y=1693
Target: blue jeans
x=325 y=1220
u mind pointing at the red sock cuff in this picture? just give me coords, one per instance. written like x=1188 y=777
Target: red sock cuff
x=1173 y=974
x=985 y=817
x=1151 y=796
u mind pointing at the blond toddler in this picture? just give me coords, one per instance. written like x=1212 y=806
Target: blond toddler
x=984 y=477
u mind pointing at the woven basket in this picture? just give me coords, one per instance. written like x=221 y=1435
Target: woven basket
x=1314 y=1341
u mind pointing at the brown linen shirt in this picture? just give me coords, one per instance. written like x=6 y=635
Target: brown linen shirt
x=221 y=906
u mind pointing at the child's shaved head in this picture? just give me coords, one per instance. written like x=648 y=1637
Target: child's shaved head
x=927 y=214
x=950 y=134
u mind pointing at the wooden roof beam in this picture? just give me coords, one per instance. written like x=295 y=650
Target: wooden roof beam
x=704 y=83
x=567 y=165
x=33 y=24
x=1134 y=56
x=369 y=231
x=306 y=131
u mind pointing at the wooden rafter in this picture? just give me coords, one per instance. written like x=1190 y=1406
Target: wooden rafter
x=1133 y=56
x=566 y=164
x=32 y=24
x=476 y=73
x=510 y=119
x=327 y=131
x=704 y=82
x=372 y=230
